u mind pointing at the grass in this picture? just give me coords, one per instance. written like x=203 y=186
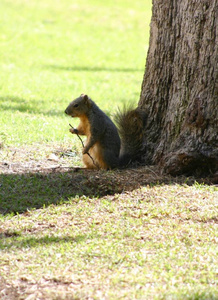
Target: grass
x=78 y=234
x=52 y=51
x=155 y=242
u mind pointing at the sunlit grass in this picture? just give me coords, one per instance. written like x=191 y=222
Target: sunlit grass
x=52 y=51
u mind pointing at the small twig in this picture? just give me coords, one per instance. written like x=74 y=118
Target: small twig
x=77 y=135
x=84 y=146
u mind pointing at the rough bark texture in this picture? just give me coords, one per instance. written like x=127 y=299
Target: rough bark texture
x=180 y=86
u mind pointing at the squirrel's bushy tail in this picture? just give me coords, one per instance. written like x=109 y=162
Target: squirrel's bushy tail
x=131 y=124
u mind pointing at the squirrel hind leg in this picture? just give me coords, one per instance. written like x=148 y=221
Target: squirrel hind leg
x=88 y=162
x=96 y=159
x=102 y=159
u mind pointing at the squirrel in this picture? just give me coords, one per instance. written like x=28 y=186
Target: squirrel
x=108 y=147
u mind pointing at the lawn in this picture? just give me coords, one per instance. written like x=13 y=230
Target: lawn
x=52 y=51
x=69 y=233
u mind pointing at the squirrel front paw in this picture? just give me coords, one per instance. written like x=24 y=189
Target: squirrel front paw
x=73 y=130
x=85 y=151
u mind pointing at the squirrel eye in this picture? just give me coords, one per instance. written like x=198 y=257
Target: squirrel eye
x=76 y=105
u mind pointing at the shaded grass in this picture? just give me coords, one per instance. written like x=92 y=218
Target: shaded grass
x=156 y=242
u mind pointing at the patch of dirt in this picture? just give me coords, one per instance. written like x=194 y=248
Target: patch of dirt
x=7 y=291
x=35 y=159
x=48 y=159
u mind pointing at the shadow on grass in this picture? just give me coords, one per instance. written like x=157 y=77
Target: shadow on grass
x=93 y=69
x=23 y=242
x=22 y=192
x=13 y=104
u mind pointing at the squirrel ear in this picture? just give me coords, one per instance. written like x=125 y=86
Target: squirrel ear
x=85 y=97
x=86 y=100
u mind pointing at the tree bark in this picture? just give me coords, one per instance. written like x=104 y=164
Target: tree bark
x=180 y=86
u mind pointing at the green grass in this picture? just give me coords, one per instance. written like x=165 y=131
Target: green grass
x=156 y=242
x=131 y=234
x=52 y=51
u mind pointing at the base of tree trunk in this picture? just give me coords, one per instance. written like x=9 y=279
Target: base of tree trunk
x=179 y=91
x=189 y=163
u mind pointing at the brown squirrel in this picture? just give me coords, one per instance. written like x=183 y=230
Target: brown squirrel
x=104 y=148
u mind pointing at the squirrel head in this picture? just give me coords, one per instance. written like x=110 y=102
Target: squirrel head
x=79 y=107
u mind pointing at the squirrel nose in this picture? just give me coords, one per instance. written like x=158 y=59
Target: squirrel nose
x=65 y=111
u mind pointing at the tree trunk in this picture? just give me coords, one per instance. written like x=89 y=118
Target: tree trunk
x=180 y=86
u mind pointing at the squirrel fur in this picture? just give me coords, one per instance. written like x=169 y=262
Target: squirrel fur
x=105 y=148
